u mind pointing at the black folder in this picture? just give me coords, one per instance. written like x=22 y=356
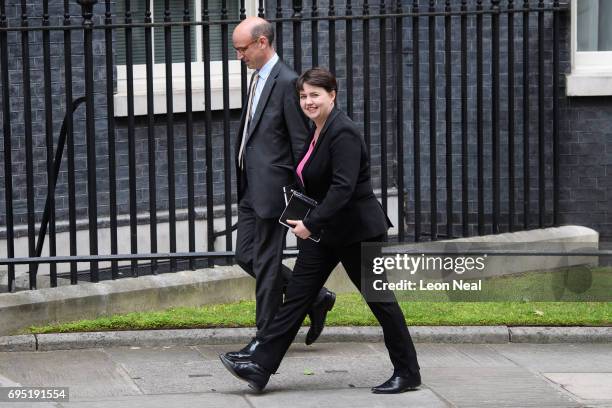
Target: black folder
x=298 y=207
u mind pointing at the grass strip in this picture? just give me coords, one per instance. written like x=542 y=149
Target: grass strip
x=351 y=310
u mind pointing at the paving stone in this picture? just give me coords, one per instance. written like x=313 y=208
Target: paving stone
x=162 y=370
x=354 y=398
x=165 y=401
x=559 y=357
x=460 y=355
x=29 y=405
x=88 y=373
x=586 y=386
x=494 y=387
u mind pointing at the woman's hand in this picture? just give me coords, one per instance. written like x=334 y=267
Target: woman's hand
x=299 y=229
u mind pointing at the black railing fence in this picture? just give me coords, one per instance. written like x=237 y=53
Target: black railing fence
x=119 y=115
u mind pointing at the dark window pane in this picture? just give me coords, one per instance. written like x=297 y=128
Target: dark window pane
x=137 y=8
x=176 y=8
x=233 y=13
x=177 y=38
x=593 y=25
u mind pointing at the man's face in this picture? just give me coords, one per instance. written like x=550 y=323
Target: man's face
x=248 y=49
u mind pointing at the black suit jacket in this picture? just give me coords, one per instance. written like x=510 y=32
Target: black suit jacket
x=277 y=134
x=337 y=175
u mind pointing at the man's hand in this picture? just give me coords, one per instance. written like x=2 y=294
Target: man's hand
x=299 y=229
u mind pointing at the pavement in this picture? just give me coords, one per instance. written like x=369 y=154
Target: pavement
x=328 y=374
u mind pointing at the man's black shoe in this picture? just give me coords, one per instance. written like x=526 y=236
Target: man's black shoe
x=317 y=314
x=397 y=384
x=254 y=374
x=244 y=353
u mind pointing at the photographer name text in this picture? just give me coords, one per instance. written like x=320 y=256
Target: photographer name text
x=421 y=284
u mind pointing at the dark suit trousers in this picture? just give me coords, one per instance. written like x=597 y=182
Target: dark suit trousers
x=259 y=250
x=314 y=264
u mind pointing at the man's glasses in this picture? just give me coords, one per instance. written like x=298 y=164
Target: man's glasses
x=242 y=50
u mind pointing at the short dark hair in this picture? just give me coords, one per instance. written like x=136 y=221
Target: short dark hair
x=317 y=76
x=266 y=29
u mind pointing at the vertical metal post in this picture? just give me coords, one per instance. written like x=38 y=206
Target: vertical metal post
x=449 y=119
x=110 y=125
x=479 y=120
x=383 y=103
x=129 y=65
x=366 y=77
x=210 y=217
x=349 y=58
x=495 y=110
x=332 y=36
x=189 y=134
x=279 y=30
x=70 y=140
x=416 y=118
x=151 y=136
x=314 y=33
x=297 y=35
x=555 y=124
x=8 y=162
x=27 y=117
x=227 y=157
x=87 y=12
x=433 y=153
x=170 y=131
x=541 y=118
x=511 y=118
x=260 y=9
x=399 y=120
x=243 y=67
x=465 y=177
x=526 y=116
x=49 y=141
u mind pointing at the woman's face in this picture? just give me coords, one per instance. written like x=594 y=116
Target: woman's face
x=316 y=102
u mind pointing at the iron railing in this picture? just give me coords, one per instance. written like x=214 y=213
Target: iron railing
x=402 y=65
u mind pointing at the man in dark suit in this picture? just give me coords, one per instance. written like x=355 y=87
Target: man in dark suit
x=271 y=136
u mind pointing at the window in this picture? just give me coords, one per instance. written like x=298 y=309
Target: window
x=591 y=48
x=138 y=8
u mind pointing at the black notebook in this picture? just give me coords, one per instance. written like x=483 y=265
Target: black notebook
x=298 y=207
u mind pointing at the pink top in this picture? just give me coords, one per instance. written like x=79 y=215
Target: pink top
x=305 y=159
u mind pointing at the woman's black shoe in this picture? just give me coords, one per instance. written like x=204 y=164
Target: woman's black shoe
x=397 y=384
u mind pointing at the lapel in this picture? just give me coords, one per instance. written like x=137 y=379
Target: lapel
x=243 y=115
x=263 y=98
x=332 y=117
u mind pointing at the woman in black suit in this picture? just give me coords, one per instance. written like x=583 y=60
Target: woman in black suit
x=334 y=170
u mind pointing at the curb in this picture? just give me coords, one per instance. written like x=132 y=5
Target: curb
x=365 y=334
x=26 y=342
x=560 y=334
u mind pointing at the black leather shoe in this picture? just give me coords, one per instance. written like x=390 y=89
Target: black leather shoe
x=244 y=353
x=397 y=384
x=254 y=374
x=317 y=314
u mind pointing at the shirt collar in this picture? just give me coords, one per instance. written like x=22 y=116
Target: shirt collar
x=264 y=72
